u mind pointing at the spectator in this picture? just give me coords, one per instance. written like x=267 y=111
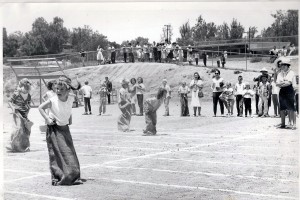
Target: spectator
x=159 y=49
x=264 y=72
x=292 y=48
x=167 y=97
x=109 y=89
x=190 y=54
x=132 y=90
x=103 y=93
x=100 y=57
x=275 y=90
x=238 y=91
x=204 y=58
x=196 y=56
x=130 y=54
x=113 y=55
x=286 y=94
x=264 y=95
x=196 y=86
x=82 y=55
x=223 y=60
x=140 y=89
x=125 y=49
x=180 y=56
x=183 y=92
x=247 y=94
x=284 y=51
x=155 y=54
x=296 y=88
x=217 y=87
x=274 y=54
x=228 y=98
x=139 y=51
x=87 y=93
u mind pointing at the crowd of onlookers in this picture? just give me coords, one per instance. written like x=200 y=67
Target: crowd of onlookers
x=166 y=52
x=276 y=53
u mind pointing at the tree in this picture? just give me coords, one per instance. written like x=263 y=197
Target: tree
x=236 y=30
x=12 y=43
x=223 y=32
x=58 y=35
x=186 y=34
x=253 y=30
x=200 y=30
x=141 y=40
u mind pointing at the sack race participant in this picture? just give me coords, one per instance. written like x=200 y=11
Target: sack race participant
x=64 y=164
x=19 y=103
x=125 y=107
x=151 y=105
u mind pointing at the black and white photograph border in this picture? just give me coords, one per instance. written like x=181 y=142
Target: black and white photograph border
x=149 y=100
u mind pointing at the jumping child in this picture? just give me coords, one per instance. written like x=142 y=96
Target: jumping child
x=20 y=104
x=151 y=105
x=64 y=164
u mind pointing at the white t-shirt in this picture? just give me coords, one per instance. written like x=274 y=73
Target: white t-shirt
x=248 y=93
x=217 y=84
x=140 y=90
x=50 y=94
x=87 y=91
x=61 y=111
x=239 y=88
x=285 y=76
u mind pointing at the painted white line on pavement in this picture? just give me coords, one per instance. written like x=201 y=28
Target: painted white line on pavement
x=37 y=195
x=198 y=188
x=244 y=154
x=139 y=141
x=226 y=163
x=26 y=159
x=27 y=177
x=24 y=172
x=256 y=146
x=170 y=151
x=204 y=173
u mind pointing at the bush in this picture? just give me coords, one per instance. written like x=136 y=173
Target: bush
x=255 y=59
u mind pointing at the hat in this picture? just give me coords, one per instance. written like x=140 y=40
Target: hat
x=164 y=80
x=263 y=70
x=247 y=84
x=285 y=61
x=124 y=81
x=189 y=45
x=112 y=47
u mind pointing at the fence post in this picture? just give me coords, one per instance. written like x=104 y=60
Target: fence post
x=246 y=55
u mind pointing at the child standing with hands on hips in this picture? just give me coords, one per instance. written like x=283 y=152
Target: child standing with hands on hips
x=64 y=164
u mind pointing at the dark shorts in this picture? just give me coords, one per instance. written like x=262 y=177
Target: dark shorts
x=286 y=98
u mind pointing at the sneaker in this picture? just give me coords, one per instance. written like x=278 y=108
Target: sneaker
x=99 y=114
x=90 y=113
x=85 y=113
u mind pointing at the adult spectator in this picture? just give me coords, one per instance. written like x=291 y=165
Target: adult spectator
x=87 y=93
x=154 y=49
x=159 y=47
x=190 y=54
x=140 y=89
x=100 y=57
x=125 y=49
x=204 y=57
x=138 y=51
x=217 y=87
x=130 y=53
x=113 y=55
x=196 y=86
x=286 y=94
x=274 y=54
x=82 y=55
x=292 y=48
x=223 y=60
x=109 y=89
x=167 y=97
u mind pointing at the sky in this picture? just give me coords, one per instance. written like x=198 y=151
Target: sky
x=126 y=21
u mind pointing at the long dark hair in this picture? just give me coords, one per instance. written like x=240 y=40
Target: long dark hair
x=199 y=78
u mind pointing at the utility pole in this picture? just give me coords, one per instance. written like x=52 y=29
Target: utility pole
x=249 y=38
x=168 y=28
